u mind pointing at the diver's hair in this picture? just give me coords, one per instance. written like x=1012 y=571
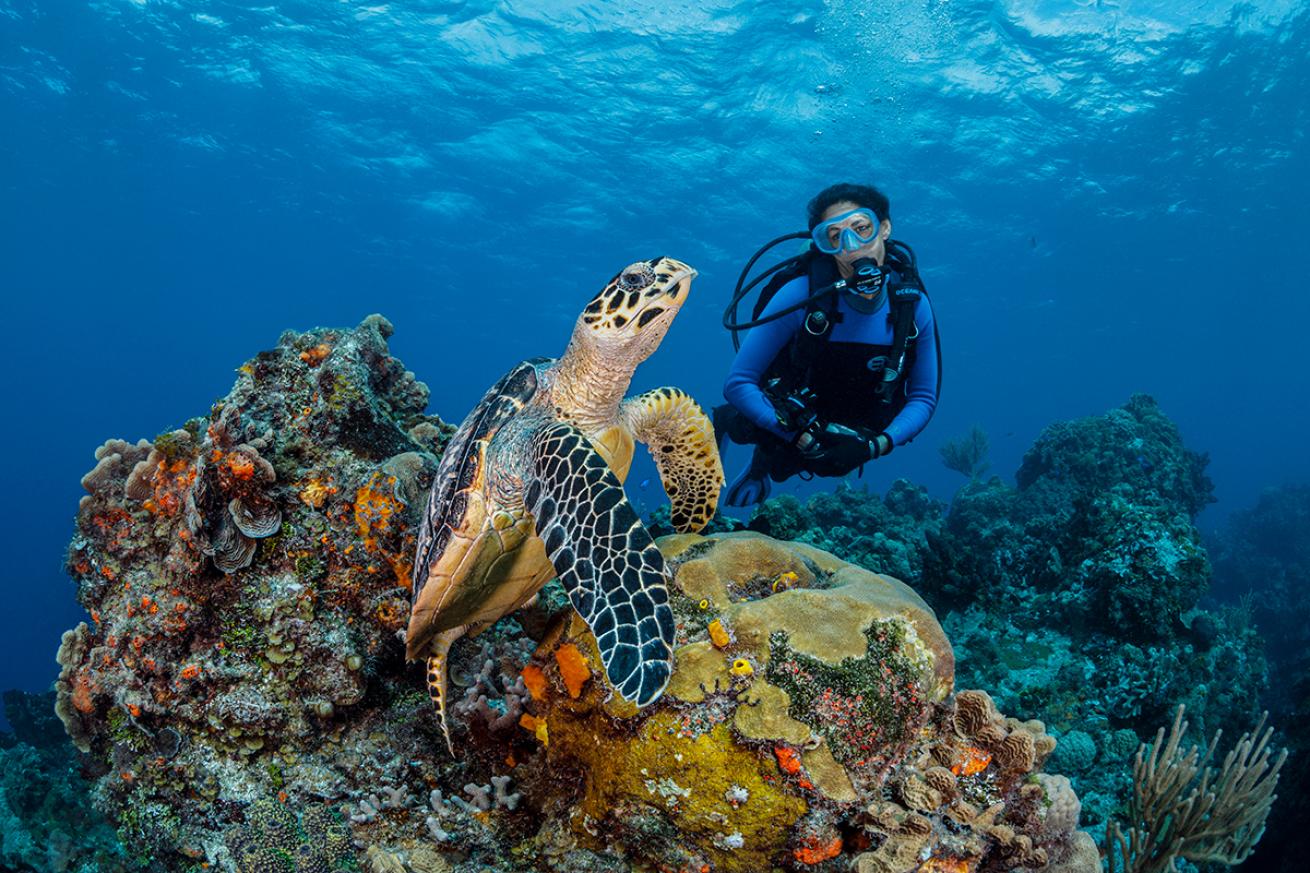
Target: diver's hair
x=862 y=195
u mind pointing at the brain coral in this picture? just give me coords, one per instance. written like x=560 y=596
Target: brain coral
x=797 y=761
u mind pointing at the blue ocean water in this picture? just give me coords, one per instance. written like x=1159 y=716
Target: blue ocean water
x=1106 y=198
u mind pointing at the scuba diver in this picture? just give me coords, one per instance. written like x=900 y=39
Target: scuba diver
x=841 y=363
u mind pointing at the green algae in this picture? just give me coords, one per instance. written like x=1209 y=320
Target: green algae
x=172 y=445
x=237 y=635
x=310 y=568
x=865 y=708
x=143 y=824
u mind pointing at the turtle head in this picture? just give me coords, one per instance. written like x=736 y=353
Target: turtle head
x=633 y=311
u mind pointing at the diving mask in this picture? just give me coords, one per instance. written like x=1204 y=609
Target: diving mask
x=846 y=232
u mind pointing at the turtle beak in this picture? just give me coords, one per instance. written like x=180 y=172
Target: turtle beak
x=680 y=282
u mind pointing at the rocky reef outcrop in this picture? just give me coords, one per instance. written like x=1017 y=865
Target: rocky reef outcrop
x=245 y=577
x=1075 y=595
x=241 y=702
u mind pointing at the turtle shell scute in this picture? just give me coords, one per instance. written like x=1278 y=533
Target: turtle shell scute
x=463 y=460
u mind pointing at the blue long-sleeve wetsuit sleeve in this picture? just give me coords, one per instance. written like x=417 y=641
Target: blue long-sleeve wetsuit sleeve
x=921 y=383
x=762 y=344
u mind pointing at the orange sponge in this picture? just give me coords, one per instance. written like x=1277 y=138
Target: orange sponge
x=535 y=680
x=573 y=668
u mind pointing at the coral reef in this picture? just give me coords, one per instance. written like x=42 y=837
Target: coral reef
x=1261 y=561
x=245 y=576
x=274 y=838
x=1076 y=596
x=1262 y=556
x=241 y=692
x=1135 y=446
x=892 y=534
x=240 y=698
x=843 y=740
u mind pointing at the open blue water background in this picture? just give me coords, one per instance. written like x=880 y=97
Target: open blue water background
x=1106 y=197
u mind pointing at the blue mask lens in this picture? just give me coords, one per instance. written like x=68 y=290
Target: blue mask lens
x=847 y=238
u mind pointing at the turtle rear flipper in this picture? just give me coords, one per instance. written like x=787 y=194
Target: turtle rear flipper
x=606 y=560
x=681 y=440
x=437 y=676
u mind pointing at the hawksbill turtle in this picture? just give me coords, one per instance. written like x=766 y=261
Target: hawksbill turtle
x=531 y=487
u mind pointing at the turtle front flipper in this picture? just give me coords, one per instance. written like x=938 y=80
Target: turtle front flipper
x=681 y=440
x=606 y=560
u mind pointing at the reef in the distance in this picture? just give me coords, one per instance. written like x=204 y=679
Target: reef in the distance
x=45 y=820
x=1262 y=573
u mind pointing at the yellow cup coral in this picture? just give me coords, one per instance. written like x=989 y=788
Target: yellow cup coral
x=719 y=634
x=785 y=580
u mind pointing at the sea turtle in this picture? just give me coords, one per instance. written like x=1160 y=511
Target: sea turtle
x=531 y=487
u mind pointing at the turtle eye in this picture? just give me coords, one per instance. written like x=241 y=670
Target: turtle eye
x=636 y=277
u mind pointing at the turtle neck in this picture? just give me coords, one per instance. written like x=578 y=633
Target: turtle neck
x=589 y=386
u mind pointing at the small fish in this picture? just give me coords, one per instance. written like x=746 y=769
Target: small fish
x=645 y=483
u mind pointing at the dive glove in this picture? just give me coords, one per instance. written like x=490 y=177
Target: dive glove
x=835 y=449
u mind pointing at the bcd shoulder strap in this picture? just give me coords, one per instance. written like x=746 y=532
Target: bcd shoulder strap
x=820 y=316
x=904 y=300
x=822 y=313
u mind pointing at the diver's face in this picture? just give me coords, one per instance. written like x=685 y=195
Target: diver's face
x=875 y=248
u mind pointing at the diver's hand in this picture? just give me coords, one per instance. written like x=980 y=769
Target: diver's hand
x=844 y=448
x=833 y=449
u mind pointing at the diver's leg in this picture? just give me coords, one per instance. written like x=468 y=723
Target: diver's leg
x=751 y=485
x=721 y=418
x=729 y=423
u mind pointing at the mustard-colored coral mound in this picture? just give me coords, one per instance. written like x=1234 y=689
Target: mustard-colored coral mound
x=810 y=715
